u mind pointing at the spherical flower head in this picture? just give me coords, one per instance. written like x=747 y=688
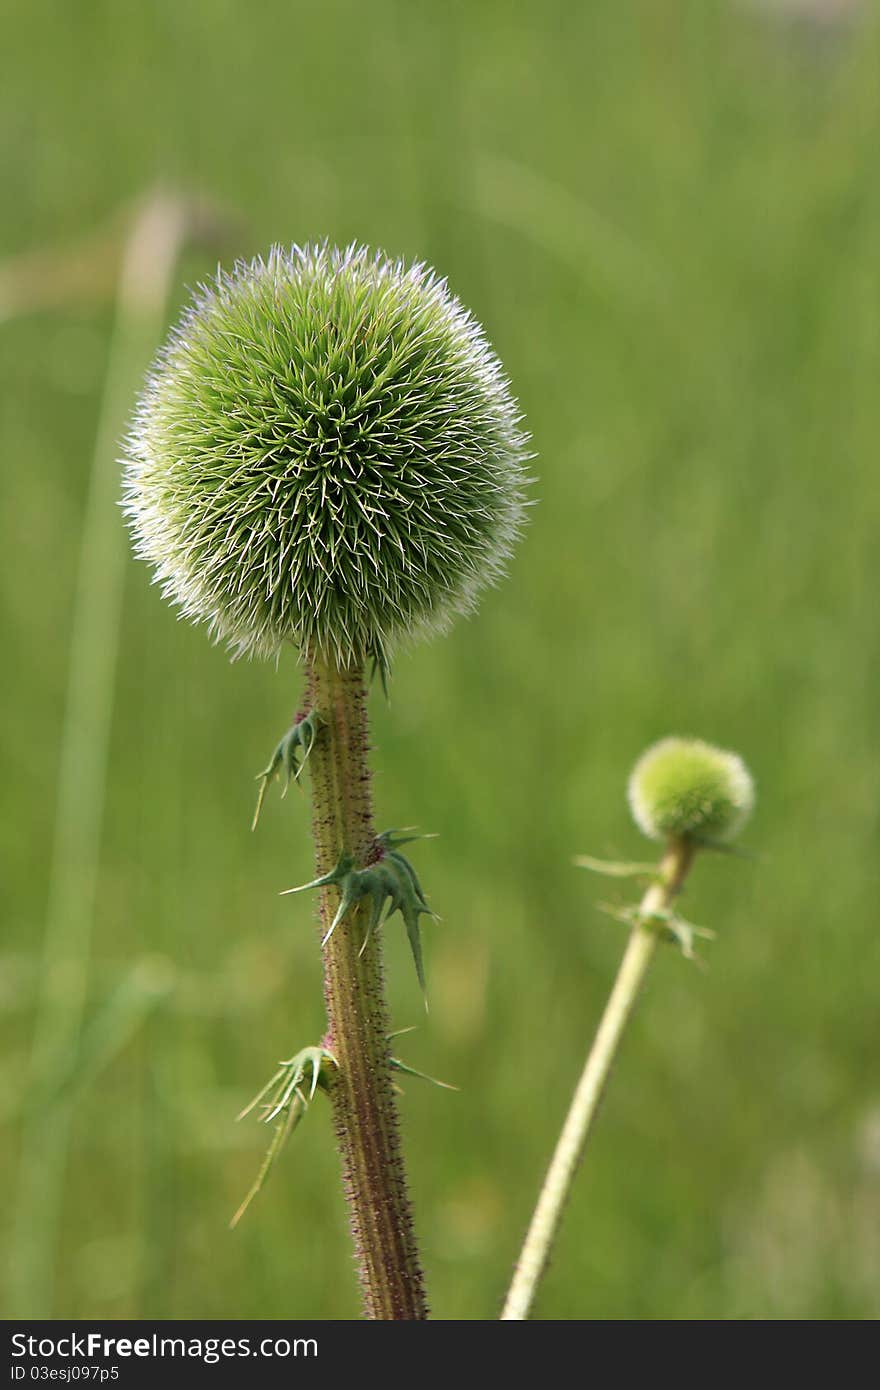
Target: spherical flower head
x=326 y=452
x=682 y=788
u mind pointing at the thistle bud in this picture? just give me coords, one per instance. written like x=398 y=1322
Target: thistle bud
x=686 y=789
x=327 y=452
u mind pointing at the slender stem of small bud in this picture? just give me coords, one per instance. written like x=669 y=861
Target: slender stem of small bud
x=572 y=1142
x=362 y=1093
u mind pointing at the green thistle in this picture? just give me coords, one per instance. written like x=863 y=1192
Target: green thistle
x=686 y=789
x=327 y=453
x=693 y=796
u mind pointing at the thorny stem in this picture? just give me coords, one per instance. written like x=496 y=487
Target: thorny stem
x=572 y=1141
x=362 y=1095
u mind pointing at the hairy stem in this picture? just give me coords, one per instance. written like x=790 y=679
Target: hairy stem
x=364 y=1109
x=572 y=1142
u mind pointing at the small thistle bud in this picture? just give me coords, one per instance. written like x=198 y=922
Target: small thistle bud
x=683 y=788
x=327 y=452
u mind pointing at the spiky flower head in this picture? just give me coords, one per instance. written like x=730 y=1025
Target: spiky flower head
x=326 y=452
x=682 y=788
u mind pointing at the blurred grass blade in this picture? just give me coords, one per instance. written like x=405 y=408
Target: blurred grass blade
x=115 y=1023
x=157 y=234
x=599 y=251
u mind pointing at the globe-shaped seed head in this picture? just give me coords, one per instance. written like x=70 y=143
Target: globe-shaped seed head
x=683 y=788
x=327 y=452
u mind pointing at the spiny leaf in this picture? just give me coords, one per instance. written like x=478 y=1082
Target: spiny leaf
x=616 y=868
x=667 y=923
x=299 y=739
x=390 y=884
x=397 y=1065
x=283 y=1099
x=283 y=1131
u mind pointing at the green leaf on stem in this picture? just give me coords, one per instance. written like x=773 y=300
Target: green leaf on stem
x=390 y=884
x=286 y=761
x=285 y=1099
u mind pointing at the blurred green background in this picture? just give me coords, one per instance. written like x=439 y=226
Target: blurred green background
x=668 y=217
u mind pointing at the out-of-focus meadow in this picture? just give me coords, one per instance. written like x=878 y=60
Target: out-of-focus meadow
x=668 y=218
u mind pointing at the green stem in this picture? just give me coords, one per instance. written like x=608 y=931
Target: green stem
x=572 y=1142
x=362 y=1094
